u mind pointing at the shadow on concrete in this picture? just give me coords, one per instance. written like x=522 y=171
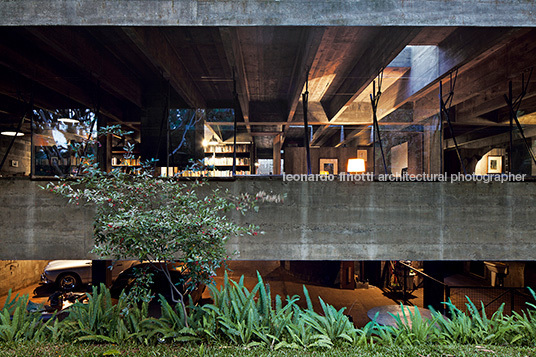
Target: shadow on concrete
x=398 y=297
x=44 y=290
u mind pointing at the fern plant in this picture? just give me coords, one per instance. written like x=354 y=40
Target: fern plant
x=18 y=324
x=101 y=321
x=525 y=330
x=414 y=330
x=333 y=324
x=475 y=326
x=173 y=324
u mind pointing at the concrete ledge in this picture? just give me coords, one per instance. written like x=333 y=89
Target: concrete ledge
x=269 y=12
x=317 y=221
x=393 y=220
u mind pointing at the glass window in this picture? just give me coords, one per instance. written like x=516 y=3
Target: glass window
x=57 y=138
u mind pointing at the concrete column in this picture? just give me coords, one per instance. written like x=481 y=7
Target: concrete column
x=104 y=151
x=101 y=273
x=153 y=129
x=372 y=272
x=434 y=292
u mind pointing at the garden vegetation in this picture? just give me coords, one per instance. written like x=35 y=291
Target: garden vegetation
x=254 y=320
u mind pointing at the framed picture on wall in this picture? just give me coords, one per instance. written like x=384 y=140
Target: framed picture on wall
x=494 y=164
x=329 y=166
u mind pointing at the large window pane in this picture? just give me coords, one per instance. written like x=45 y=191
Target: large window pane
x=56 y=138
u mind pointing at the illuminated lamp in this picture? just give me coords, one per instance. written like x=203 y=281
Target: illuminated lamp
x=356 y=165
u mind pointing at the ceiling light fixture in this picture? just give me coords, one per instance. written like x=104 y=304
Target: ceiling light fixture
x=11 y=133
x=69 y=120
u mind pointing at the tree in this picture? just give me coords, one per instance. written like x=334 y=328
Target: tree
x=156 y=219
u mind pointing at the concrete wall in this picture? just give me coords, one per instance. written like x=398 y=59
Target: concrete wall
x=316 y=221
x=20 y=152
x=269 y=12
x=19 y=274
x=390 y=221
x=36 y=224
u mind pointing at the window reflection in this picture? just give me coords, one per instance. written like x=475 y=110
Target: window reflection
x=56 y=140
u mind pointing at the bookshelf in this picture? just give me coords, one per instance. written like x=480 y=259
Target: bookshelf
x=220 y=157
x=120 y=162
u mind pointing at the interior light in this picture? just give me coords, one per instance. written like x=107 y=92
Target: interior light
x=356 y=165
x=69 y=120
x=12 y=133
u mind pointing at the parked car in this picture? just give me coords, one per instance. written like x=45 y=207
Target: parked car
x=125 y=281
x=72 y=274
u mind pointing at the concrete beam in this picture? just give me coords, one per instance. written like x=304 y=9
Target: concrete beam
x=13 y=86
x=73 y=47
x=268 y=13
x=469 y=141
x=156 y=47
x=42 y=69
x=311 y=39
x=401 y=117
x=483 y=81
x=300 y=122
x=317 y=111
x=316 y=221
x=387 y=44
x=432 y=63
x=360 y=111
x=235 y=58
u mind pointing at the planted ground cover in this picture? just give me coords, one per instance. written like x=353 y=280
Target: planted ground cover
x=93 y=350
x=243 y=322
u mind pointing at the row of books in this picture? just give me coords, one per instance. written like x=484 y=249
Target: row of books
x=227 y=148
x=225 y=161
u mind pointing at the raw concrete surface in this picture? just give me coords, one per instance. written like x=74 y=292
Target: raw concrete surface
x=391 y=221
x=36 y=224
x=17 y=274
x=269 y=12
x=316 y=221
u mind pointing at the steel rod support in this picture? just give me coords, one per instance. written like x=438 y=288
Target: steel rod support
x=513 y=107
x=444 y=108
x=374 y=100
x=235 y=126
x=305 y=100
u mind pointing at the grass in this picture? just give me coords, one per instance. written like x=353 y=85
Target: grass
x=96 y=350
